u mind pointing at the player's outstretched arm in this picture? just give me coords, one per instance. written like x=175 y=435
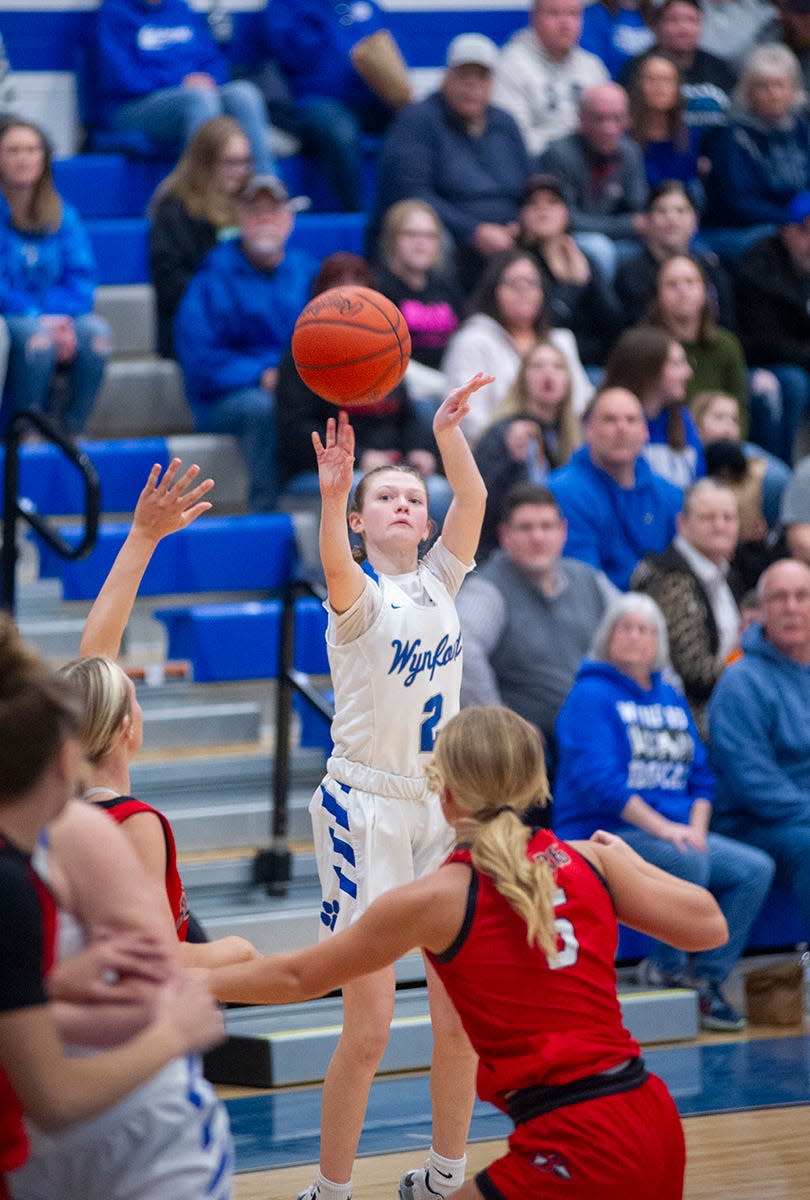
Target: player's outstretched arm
x=462 y=525
x=427 y=913
x=164 y=506
x=335 y=456
x=653 y=901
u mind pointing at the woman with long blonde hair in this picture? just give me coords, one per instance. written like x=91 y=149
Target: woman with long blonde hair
x=533 y=430
x=521 y=929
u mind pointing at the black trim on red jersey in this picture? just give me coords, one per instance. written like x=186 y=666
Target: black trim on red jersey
x=599 y=876
x=487 y=1188
x=469 y=912
x=120 y=801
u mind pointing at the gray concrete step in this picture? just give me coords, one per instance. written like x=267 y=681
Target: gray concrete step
x=188 y=725
x=141 y=397
x=272 y=1047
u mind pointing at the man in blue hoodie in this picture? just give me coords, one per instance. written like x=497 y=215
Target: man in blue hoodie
x=759 y=722
x=617 y=508
x=234 y=323
x=158 y=71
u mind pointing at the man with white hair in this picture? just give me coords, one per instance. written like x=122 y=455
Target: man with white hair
x=543 y=70
x=759 y=722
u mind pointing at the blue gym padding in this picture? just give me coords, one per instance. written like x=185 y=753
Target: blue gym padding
x=226 y=641
x=215 y=554
x=109 y=185
x=121 y=249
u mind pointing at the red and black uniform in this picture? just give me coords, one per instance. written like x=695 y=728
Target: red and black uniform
x=121 y=808
x=553 y=1052
x=27 y=948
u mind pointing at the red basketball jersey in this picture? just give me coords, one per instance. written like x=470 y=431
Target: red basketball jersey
x=28 y=911
x=533 y=1021
x=123 y=807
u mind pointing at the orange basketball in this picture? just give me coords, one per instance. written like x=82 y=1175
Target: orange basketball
x=351 y=345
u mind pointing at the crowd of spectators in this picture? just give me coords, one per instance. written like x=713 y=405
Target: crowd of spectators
x=611 y=215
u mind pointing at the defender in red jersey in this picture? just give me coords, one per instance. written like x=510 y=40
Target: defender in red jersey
x=522 y=929
x=41 y=765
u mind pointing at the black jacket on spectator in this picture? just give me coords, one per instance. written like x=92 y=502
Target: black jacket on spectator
x=773 y=306
x=432 y=314
x=635 y=285
x=178 y=243
x=591 y=311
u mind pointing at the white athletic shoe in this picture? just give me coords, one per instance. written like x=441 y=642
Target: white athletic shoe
x=310 y=1193
x=415 y=1185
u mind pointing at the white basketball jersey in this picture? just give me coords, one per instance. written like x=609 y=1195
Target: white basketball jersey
x=398 y=682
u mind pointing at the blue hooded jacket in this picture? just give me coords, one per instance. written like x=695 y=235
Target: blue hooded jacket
x=312 y=40
x=759 y=723
x=609 y=526
x=616 y=739
x=142 y=47
x=234 y=321
x=52 y=272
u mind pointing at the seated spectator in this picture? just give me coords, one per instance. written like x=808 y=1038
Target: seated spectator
x=657 y=106
x=462 y=155
x=393 y=430
x=578 y=295
x=192 y=208
x=234 y=323
x=617 y=508
x=706 y=80
x=527 y=616
x=683 y=308
x=650 y=363
x=717 y=419
x=794 y=513
x=158 y=71
x=697 y=590
x=761 y=160
x=773 y=315
x=670 y=228
x=760 y=734
x=731 y=29
x=616 y=31
x=757 y=546
x=601 y=171
x=412 y=272
x=542 y=70
x=329 y=105
x=630 y=761
x=508 y=315
x=47 y=284
x=532 y=431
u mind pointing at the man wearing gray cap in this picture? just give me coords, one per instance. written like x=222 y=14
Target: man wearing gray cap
x=462 y=155
x=235 y=322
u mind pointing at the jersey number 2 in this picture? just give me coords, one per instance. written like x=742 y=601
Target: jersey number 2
x=432 y=714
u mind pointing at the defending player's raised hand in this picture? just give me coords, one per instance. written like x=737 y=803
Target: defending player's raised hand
x=335 y=457
x=456 y=405
x=170 y=503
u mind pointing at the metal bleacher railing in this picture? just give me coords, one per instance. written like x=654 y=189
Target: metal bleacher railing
x=16 y=508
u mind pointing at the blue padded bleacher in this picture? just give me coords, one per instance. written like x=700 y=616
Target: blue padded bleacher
x=121 y=245
x=53 y=485
x=215 y=554
x=108 y=185
x=230 y=641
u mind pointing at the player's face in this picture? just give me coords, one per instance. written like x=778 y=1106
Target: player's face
x=394 y=508
x=534 y=536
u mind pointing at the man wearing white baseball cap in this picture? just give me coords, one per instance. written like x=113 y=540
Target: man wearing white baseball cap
x=462 y=155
